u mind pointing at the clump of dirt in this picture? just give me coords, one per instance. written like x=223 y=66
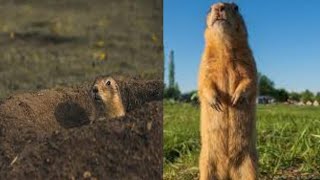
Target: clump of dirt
x=47 y=134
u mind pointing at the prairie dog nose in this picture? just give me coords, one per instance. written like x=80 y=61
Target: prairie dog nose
x=95 y=90
x=221 y=8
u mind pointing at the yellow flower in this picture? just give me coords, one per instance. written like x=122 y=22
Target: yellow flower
x=100 y=56
x=154 y=38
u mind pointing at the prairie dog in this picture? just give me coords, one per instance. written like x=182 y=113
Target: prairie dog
x=106 y=98
x=227 y=85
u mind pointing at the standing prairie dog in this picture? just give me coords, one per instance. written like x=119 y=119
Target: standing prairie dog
x=227 y=87
x=106 y=98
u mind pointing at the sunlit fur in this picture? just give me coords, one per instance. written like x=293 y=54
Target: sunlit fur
x=227 y=75
x=107 y=100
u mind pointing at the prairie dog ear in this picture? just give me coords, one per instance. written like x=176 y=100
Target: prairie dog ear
x=235 y=7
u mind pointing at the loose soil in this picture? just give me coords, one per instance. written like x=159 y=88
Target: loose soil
x=47 y=135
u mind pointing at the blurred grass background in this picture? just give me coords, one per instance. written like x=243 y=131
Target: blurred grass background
x=45 y=44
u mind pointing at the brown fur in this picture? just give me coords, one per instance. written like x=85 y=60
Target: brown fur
x=227 y=92
x=123 y=95
x=106 y=98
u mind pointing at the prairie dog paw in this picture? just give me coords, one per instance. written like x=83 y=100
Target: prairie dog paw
x=237 y=97
x=216 y=104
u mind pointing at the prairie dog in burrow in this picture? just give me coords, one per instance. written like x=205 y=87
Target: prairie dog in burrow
x=107 y=99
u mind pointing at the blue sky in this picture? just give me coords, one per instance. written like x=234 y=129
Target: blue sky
x=284 y=36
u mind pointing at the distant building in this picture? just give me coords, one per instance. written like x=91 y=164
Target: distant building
x=308 y=103
x=265 y=100
x=290 y=101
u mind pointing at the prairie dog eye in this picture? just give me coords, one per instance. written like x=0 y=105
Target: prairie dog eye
x=108 y=83
x=236 y=7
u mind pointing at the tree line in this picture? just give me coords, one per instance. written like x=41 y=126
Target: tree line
x=266 y=88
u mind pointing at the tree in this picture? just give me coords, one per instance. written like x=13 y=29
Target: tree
x=266 y=86
x=281 y=95
x=172 y=91
x=317 y=97
x=171 y=69
x=294 y=96
x=307 y=96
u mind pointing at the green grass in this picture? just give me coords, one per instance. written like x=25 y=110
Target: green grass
x=288 y=141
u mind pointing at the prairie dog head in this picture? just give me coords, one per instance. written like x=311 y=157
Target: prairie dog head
x=106 y=96
x=225 y=22
x=104 y=89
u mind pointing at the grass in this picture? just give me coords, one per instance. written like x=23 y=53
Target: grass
x=288 y=141
x=45 y=44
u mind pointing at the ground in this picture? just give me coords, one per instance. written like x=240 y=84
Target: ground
x=50 y=53
x=288 y=141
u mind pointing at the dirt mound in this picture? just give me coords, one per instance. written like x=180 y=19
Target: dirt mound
x=47 y=134
x=43 y=109
x=71 y=107
x=125 y=148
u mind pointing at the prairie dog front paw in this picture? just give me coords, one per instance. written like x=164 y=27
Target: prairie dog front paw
x=214 y=100
x=237 y=97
